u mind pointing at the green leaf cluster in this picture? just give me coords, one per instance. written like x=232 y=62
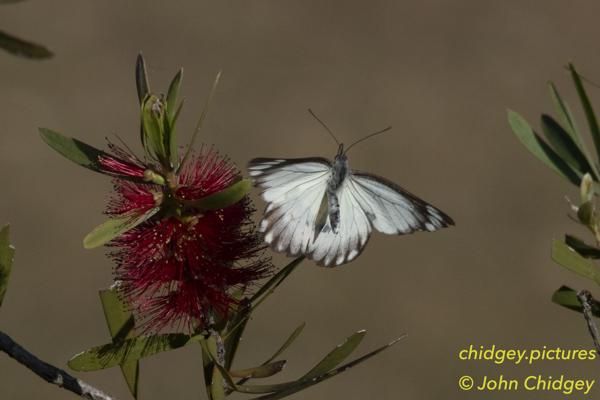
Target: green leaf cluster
x=158 y=118
x=564 y=150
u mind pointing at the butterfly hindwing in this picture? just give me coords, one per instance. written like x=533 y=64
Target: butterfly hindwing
x=353 y=230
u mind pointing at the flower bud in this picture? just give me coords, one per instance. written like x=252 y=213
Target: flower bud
x=586 y=188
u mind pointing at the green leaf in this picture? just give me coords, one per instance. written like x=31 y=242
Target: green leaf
x=114 y=227
x=173 y=146
x=121 y=326
x=262 y=371
x=268 y=288
x=564 y=146
x=331 y=360
x=336 y=356
x=281 y=390
x=237 y=324
x=587 y=107
x=223 y=199
x=7 y=255
x=119 y=353
x=567 y=297
x=200 y=121
x=565 y=116
x=73 y=149
x=172 y=95
x=172 y=114
x=153 y=124
x=539 y=148
x=23 y=48
x=581 y=247
x=301 y=385
x=568 y=258
x=234 y=330
x=288 y=342
x=141 y=78
x=10 y=1
x=283 y=347
x=81 y=153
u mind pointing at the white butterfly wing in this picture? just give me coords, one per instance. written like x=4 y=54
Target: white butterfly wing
x=353 y=231
x=293 y=189
x=391 y=209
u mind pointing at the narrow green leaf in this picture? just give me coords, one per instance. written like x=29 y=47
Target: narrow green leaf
x=141 y=78
x=119 y=353
x=153 y=123
x=200 y=121
x=587 y=108
x=268 y=288
x=564 y=146
x=114 y=227
x=223 y=199
x=172 y=95
x=237 y=324
x=301 y=385
x=121 y=326
x=331 y=360
x=336 y=356
x=581 y=247
x=23 y=48
x=285 y=345
x=567 y=297
x=288 y=342
x=235 y=328
x=81 y=153
x=262 y=371
x=539 y=148
x=73 y=149
x=565 y=116
x=568 y=258
x=7 y=255
x=281 y=390
x=174 y=147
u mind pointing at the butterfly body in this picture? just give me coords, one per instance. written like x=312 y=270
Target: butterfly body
x=327 y=211
x=339 y=172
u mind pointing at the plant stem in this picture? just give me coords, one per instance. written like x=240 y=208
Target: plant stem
x=50 y=373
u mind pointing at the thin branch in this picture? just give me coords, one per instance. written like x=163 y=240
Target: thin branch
x=50 y=373
x=587 y=300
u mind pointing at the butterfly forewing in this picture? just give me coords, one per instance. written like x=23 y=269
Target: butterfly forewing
x=393 y=210
x=293 y=189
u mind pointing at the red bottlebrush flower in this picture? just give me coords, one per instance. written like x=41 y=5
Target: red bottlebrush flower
x=179 y=268
x=123 y=163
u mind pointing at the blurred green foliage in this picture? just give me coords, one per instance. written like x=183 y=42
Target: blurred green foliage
x=20 y=47
x=564 y=151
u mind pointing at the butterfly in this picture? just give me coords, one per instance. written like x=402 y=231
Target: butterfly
x=327 y=211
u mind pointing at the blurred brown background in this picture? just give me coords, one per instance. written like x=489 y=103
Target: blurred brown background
x=442 y=73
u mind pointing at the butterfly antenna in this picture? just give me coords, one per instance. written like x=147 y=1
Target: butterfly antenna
x=324 y=126
x=368 y=137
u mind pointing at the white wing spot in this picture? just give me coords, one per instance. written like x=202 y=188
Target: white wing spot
x=269 y=237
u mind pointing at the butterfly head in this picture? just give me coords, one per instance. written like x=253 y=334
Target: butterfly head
x=340 y=153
